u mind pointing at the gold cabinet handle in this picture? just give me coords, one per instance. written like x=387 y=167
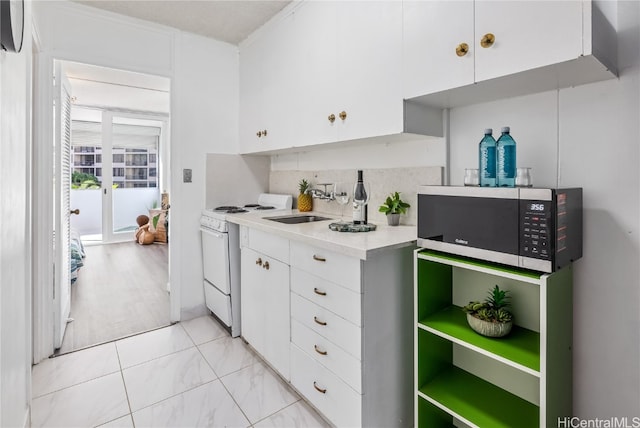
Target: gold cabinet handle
x=318 y=292
x=324 y=391
x=319 y=259
x=259 y=261
x=332 y=118
x=319 y=351
x=343 y=115
x=318 y=321
x=266 y=265
x=76 y=211
x=487 y=40
x=462 y=49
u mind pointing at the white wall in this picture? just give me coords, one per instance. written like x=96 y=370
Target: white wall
x=588 y=137
x=204 y=109
x=15 y=235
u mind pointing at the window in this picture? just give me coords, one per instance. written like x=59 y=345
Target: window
x=152 y=158
x=153 y=172
x=118 y=172
x=118 y=158
x=135 y=184
x=98 y=158
x=136 y=159
x=98 y=172
x=136 y=174
x=153 y=184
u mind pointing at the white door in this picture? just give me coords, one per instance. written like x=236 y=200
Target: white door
x=62 y=189
x=528 y=34
x=432 y=30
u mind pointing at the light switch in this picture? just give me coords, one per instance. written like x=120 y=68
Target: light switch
x=186 y=176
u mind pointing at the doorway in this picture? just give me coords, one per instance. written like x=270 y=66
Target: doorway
x=118 y=129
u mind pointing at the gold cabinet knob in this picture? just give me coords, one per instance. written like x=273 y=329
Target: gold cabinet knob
x=259 y=261
x=462 y=49
x=332 y=118
x=487 y=40
x=76 y=211
x=343 y=115
x=264 y=133
x=266 y=265
x=259 y=134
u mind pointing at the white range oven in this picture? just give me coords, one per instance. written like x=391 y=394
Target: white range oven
x=221 y=257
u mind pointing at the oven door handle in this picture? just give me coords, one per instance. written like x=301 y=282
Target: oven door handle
x=212 y=233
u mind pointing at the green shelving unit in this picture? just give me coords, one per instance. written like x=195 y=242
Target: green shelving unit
x=461 y=377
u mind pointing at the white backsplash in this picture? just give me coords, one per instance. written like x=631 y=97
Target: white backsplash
x=382 y=182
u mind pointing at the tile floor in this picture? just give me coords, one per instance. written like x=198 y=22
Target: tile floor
x=190 y=374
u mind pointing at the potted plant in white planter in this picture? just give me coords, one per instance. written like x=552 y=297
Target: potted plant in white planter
x=393 y=207
x=491 y=318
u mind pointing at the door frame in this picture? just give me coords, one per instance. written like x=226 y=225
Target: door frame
x=43 y=203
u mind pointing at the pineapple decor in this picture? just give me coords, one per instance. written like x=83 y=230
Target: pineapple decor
x=491 y=318
x=305 y=201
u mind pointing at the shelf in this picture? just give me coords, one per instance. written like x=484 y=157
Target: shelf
x=478 y=402
x=520 y=349
x=524 y=275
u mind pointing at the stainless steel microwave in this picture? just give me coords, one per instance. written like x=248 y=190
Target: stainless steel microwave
x=538 y=229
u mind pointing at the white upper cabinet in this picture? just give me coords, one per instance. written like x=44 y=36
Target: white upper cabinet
x=462 y=52
x=527 y=35
x=266 y=81
x=430 y=61
x=368 y=86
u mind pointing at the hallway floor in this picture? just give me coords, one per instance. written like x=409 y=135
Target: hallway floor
x=190 y=374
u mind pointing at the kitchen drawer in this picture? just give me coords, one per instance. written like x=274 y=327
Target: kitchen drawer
x=268 y=244
x=328 y=354
x=334 y=398
x=340 y=300
x=335 y=267
x=327 y=324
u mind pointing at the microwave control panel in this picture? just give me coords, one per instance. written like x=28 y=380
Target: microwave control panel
x=536 y=226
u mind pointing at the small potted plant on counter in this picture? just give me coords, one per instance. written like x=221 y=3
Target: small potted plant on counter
x=305 y=201
x=393 y=207
x=491 y=318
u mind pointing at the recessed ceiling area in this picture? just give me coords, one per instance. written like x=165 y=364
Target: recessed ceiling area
x=229 y=21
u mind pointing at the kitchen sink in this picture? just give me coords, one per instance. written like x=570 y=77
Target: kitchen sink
x=297 y=219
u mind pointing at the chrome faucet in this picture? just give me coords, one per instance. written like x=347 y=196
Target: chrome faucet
x=323 y=194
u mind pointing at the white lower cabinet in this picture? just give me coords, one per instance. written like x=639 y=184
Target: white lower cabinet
x=265 y=307
x=344 y=323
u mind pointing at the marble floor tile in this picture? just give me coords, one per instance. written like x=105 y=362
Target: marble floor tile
x=157 y=343
x=259 y=391
x=204 y=329
x=123 y=422
x=298 y=415
x=209 y=405
x=164 y=377
x=54 y=374
x=227 y=355
x=84 y=405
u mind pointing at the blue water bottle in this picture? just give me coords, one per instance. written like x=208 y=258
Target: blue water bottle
x=506 y=159
x=487 y=157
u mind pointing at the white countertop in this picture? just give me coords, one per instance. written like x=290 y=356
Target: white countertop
x=354 y=244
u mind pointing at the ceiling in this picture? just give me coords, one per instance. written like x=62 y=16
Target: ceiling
x=230 y=21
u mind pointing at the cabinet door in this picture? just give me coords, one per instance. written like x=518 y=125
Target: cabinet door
x=528 y=34
x=278 y=85
x=369 y=61
x=251 y=84
x=431 y=32
x=252 y=295
x=314 y=50
x=275 y=304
